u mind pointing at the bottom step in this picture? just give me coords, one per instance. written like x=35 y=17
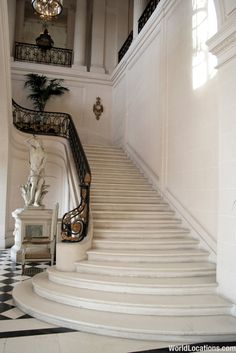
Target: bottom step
x=179 y=329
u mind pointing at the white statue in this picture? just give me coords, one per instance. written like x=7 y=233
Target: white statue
x=35 y=189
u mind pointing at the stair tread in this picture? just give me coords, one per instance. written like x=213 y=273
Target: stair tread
x=135 y=325
x=134 y=281
x=159 y=212
x=138 y=221
x=200 y=300
x=153 y=266
x=149 y=252
x=181 y=240
x=160 y=232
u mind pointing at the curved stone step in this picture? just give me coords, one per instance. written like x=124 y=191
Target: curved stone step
x=145 y=304
x=182 y=329
x=139 y=285
x=133 y=255
x=149 y=269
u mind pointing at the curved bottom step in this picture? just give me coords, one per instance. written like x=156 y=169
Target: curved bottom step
x=178 y=329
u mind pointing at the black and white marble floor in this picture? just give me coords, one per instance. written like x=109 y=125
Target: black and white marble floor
x=13 y=322
x=22 y=333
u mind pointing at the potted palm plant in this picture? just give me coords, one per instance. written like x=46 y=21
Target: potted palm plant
x=43 y=89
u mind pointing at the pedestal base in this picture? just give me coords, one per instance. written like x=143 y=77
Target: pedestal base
x=67 y=254
x=32 y=221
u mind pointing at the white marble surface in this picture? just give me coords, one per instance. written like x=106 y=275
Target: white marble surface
x=73 y=343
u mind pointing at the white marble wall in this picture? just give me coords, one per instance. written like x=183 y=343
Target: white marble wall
x=223 y=44
x=179 y=121
x=171 y=126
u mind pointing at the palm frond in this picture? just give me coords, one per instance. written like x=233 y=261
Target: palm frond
x=42 y=89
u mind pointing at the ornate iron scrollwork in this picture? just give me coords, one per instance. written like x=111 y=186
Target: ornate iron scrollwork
x=75 y=222
x=51 y=56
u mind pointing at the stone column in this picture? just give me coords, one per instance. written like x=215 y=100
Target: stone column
x=80 y=35
x=70 y=27
x=19 y=27
x=139 y=6
x=98 y=36
x=5 y=118
x=12 y=20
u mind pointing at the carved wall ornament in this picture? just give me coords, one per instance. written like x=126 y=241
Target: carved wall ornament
x=98 y=108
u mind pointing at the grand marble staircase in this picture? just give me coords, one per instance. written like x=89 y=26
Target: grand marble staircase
x=145 y=276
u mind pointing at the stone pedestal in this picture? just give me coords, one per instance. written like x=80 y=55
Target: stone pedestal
x=29 y=222
x=68 y=254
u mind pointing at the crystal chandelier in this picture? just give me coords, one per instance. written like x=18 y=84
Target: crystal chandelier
x=47 y=8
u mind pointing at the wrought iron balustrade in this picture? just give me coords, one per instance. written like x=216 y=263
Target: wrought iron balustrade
x=75 y=222
x=150 y=8
x=53 y=56
x=125 y=46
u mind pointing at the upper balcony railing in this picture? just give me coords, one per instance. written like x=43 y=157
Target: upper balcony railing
x=53 y=56
x=125 y=46
x=75 y=222
x=150 y=8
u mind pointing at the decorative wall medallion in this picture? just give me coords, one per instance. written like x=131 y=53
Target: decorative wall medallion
x=98 y=108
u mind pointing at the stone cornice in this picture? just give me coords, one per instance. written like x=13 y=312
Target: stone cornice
x=223 y=43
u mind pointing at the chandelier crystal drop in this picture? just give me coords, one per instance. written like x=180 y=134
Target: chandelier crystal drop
x=47 y=8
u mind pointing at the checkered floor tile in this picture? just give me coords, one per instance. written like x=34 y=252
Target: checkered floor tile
x=10 y=275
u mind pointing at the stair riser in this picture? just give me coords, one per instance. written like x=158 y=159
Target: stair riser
x=129 y=193
x=107 y=158
x=117 y=173
x=128 y=207
x=142 y=272
x=105 y=154
x=122 y=201
x=133 y=224
x=107 y=234
x=119 y=178
x=125 y=183
x=129 y=308
x=109 y=168
x=120 y=187
x=128 y=216
x=135 y=289
x=146 y=246
x=149 y=259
